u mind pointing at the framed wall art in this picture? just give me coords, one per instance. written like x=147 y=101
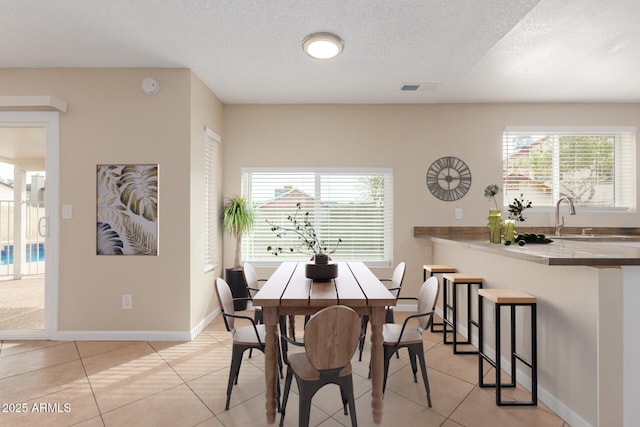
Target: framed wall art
x=127 y=209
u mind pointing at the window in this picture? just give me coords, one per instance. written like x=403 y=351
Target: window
x=211 y=221
x=593 y=166
x=355 y=205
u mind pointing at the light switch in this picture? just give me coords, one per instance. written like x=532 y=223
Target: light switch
x=458 y=213
x=67 y=211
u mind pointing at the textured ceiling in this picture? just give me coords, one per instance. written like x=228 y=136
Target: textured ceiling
x=249 y=51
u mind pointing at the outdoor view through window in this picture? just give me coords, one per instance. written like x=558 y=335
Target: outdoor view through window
x=595 y=167
x=33 y=252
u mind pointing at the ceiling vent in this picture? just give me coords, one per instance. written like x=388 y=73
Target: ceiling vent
x=420 y=86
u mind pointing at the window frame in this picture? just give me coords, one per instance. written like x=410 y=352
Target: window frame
x=386 y=236
x=625 y=147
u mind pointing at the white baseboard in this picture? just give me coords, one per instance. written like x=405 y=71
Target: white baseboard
x=195 y=331
x=138 y=335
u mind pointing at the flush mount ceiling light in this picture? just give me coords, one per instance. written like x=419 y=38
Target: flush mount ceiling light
x=322 y=45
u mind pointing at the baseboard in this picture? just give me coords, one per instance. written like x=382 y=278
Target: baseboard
x=138 y=335
x=123 y=336
x=195 y=331
x=19 y=335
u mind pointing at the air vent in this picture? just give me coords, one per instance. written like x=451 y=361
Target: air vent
x=420 y=86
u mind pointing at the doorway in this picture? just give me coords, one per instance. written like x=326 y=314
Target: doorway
x=29 y=143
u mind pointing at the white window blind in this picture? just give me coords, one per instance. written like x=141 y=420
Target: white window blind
x=594 y=166
x=211 y=220
x=354 y=205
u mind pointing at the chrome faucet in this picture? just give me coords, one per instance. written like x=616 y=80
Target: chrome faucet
x=572 y=211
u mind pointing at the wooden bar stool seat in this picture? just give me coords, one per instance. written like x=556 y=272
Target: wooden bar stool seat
x=433 y=269
x=458 y=279
x=512 y=299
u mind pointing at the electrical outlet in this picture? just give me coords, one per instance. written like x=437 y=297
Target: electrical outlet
x=127 y=302
x=67 y=211
x=458 y=213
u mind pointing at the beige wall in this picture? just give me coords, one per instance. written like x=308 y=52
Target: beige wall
x=110 y=120
x=407 y=138
x=206 y=110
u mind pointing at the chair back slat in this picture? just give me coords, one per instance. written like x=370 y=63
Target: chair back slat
x=427 y=300
x=331 y=337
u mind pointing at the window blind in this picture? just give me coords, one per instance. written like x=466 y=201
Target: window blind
x=595 y=166
x=354 y=205
x=211 y=219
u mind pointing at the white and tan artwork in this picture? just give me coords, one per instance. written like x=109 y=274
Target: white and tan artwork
x=127 y=209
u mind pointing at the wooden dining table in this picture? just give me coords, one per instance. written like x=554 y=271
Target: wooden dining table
x=289 y=292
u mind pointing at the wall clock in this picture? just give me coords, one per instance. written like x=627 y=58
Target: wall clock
x=449 y=178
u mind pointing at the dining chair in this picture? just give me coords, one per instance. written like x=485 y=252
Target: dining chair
x=396 y=336
x=250 y=336
x=331 y=339
x=253 y=286
x=393 y=285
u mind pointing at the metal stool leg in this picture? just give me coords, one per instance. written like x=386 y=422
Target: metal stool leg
x=525 y=301
x=445 y=310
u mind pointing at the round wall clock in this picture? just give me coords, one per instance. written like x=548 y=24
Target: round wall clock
x=449 y=178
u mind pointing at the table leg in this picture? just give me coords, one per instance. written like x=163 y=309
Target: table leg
x=377 y=319
x=270 y=318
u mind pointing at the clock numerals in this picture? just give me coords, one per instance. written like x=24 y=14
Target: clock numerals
x=448 y=178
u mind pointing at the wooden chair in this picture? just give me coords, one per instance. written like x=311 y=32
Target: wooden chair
x=396 y=336
x=244 y=337
x=331 y=339
x=393 y=285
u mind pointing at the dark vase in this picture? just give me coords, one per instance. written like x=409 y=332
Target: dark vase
x=321 y=259
x=321 y=270
x=235 y=279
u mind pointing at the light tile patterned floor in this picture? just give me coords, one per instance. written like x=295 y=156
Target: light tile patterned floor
x=184 y=384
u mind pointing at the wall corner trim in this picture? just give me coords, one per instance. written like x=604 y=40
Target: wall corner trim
x=34 y=101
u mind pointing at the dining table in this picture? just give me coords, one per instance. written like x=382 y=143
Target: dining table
x=289 y=292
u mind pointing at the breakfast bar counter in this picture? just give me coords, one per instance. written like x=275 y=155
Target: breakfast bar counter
x=570 y=249
x=588 y=339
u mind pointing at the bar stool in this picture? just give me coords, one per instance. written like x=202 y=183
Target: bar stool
x=508 y=298
x=457 y=279
x=436 y=269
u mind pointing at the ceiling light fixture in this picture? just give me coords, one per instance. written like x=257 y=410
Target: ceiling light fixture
x=322 y=45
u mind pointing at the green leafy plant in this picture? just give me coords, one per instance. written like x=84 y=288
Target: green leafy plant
x=307 y=238
x=490 y=192
x=237 y=219
x=517 y=207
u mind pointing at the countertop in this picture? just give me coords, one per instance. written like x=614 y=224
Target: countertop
x=607 y=251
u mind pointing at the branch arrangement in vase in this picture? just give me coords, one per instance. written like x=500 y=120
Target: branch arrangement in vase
x=308 y=241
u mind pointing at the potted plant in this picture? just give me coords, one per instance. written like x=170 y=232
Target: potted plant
x=308 y=243
x=517 y=207
x=237 y=219
x=516 y=214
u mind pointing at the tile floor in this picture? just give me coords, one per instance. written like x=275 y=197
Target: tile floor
x=88 y=384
